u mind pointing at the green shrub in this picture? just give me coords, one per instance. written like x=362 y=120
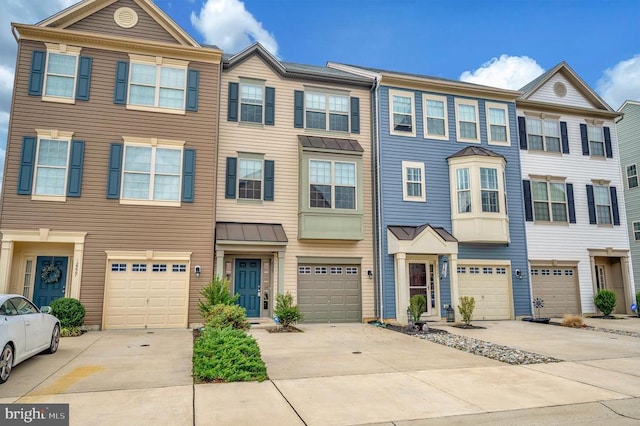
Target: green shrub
x=222 y=316
x=287 y=313
x=466 y=307
x=227 y=355
x=69 y=311
x=70 y=332
x=638 y=303
x=417 y=306
x=605 y=301
x=216 y=293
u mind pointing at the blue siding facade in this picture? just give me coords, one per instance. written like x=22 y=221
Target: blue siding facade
x=436 y=211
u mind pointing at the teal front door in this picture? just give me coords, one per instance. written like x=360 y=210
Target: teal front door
x=247 y=285
x=51 y=279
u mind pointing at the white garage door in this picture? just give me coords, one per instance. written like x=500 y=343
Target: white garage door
x=558 y=289
x=489 y=286
x=146 y=294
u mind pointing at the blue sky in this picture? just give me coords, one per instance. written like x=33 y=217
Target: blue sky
x=501 y=43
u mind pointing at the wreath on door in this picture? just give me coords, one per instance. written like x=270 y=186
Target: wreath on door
x=50 y=274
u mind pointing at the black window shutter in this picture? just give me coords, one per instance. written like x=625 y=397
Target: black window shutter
x=74 y=187
x=230 y=183
x=188 y=175
x=528 y=207
x=298 y=109
x=607 y=142
x=270 y=106
x=269 y=178
x=27 y=165
x=122 y=79
x=232 y=105
x=592 y=205
x=37 y=72
x=614 y=205
x=564 y=135
x=115 y=168
x=355 y=115
x=522 y=129
x=585 y=139
x=193 y=82
x=571 y=203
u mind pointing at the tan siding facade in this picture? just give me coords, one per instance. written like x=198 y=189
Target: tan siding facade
x=110 y=225
x=103 y=22
x=280 y=143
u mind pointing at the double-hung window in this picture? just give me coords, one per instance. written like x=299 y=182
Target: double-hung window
x=60 y=81
x=413 y=181
x=602 y=199
x=549 y=201
x=489 y=190
x=435 y=110
x=596 y=141
x=543 y=135
x=463 y=187
x=251 y=102
x=152 y=173
x=52 y=161
x=467 y=120
x=319 y=106
x=497 y=123
x=250 y=179
x=632 y=176
x=332 y=184
x=636 y=231
x=402 y=113
x=157 y=83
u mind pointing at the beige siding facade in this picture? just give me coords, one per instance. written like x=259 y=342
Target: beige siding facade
x=280 y=144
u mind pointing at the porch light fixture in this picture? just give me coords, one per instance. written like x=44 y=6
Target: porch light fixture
x=451 y=314
x=444 y=269
x=197 y=270
x=370 y=274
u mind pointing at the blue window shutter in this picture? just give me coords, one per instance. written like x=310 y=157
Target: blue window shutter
x=270 y=106
x=232 y=107
x=522 y=129
x=585 y=139
x=115 y=168
x=37 y=72
x=614 y=205
x=193 y=81
x=269 y=177
x=27 y=165
x=74 y=186
x=608 y=149
x=122 y=80
x=230 y=184
x=355 y=115
x=592 y=205
x=298 y=109
x=188 y=175
x=528 y=208
x=571 y=203
x=84 y=78
x=564 y=134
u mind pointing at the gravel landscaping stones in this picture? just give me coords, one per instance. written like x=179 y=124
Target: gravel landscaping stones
x=612 y=331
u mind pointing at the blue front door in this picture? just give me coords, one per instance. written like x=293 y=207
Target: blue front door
x=247 y=285
x=51 y=279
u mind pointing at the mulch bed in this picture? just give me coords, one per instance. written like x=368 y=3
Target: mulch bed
x=278 y=329
x=415 y=330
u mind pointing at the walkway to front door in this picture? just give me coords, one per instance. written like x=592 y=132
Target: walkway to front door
x=50 y=280
x=247 y=285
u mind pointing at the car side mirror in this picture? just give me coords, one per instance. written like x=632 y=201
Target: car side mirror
x=45 y=309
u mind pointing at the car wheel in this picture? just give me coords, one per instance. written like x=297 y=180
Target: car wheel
x=55 y=340
x=6 y=362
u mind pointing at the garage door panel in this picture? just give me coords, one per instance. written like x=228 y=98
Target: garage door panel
x=558 y=288
x=490 y=291
x=327 y=293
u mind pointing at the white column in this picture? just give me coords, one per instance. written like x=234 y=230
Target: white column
x=219 y=264
x=402 y=288
x=453 y=273
x=280 y=255
x=629 y=295
x=76 y=271
x=6 y=257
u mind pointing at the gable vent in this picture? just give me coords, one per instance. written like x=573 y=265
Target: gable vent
x=125 y=17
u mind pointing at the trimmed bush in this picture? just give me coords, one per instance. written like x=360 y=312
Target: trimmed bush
x=466 y=307
x=417 y=306
x=605 y=301
x=227 y=355
x=215 y=293
x=575 y=321
x=69 y=311
x=222 y=316
x=287 y=313
x=70 y=332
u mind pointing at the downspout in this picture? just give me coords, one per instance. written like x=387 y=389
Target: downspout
x=378 y=204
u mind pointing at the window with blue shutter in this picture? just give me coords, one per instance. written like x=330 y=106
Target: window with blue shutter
x=269 y=178
x=36 y=78
x=614 y=205
x=232 y=104
x=270 y=106
x=188 y=175
x=528 y=207
x=571 y=203
x=591 y=204
x=84 y=78
x=585 y=139
x=122 y=79
x=27 y=164
x=193 y=81
x=607 y=142
x=115 y=171
x=564 y=135
x=522 y=131
x=355 y=115
x=298 y=109
x=74 y=185
x=230 y=182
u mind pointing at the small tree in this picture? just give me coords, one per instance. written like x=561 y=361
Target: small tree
x=417 y=306
x=605 y=301
x=466 y=306
x=215 y=293
x=286 y=311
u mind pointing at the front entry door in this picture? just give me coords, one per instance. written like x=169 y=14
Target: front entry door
x=50 y=280
x=247 y=285
x=419 y=283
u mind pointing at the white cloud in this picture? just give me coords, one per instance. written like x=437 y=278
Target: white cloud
x=506 y=72
x=228 y=25
x=620 y=83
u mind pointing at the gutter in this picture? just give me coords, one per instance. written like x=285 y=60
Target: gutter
x=378 y=193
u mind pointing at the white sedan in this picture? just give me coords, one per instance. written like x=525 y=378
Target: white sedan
x=25 y=331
